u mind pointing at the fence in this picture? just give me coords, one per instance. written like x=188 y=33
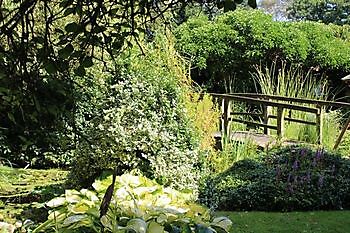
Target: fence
x=267 y=102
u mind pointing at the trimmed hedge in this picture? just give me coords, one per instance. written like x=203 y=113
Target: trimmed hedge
x=292 y=178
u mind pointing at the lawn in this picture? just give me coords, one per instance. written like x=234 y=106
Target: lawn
x=292 y=222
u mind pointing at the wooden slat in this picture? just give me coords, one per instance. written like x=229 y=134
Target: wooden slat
x=295 y=120
x=268 y=103
x=254 y=123
x=295 y=99
x=340 y=137
x=246 y=114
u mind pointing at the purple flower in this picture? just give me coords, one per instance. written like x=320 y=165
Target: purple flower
x=302 y=152
x=308 y=177
x=320 y=181
x=295 y=165
x=319 y=154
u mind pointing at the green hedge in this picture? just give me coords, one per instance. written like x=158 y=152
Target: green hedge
x=233 y=42
x=292 y=178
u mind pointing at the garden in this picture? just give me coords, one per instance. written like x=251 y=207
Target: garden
x=109 y=120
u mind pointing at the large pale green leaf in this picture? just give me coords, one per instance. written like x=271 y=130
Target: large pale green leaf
x=222 y=222
x=58 y=201
x=154 y=227
x=74 y=219
x=139 y=225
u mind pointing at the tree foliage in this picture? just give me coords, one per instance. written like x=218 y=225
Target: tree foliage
x=229 y=46
x=325 y=11
x=47 y=50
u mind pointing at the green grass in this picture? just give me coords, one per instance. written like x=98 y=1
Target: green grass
x=292 y=222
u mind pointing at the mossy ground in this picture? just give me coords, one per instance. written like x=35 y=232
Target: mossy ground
x=22 y=191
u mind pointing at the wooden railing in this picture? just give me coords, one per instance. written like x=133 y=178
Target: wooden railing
x=267 y=102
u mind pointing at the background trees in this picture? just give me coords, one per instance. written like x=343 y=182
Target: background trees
x=334 y=11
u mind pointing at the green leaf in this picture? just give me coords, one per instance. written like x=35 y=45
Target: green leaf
x=154 y=227
x=11 y=117
x=139 y=225
x=200 y=228
x=50 y=67
x=80 y=71
x=58 y=201
x=73 y=27
x=87 y=62
x=223 y=222
x=66 y=51
x=74 y=219
x=69 y=11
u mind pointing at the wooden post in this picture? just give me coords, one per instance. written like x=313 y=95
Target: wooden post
x=345 y=127
x=226 y=111
x=266 y=113
x=280 y=122
x=319 y=125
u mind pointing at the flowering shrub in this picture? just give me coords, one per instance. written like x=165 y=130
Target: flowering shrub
x=292 y=178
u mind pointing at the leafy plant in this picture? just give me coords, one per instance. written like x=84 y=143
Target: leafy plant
x=138 y=205
x=291 y=178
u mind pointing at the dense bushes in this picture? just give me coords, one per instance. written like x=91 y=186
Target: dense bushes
x=143 y=122
x=228 y=46
x=292 y=178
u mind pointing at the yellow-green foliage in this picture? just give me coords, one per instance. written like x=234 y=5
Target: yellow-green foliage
x=138 y=205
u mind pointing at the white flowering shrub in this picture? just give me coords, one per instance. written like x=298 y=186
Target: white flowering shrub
x=143 y=123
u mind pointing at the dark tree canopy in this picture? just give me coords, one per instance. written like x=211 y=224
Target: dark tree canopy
x=325 y=11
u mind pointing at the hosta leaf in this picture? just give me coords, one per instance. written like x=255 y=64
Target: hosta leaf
x=80 y=208
x=72 y=196
x=222 y=222
x=200 y=228
x=74 y=219
x=139 y=225
x=154 y=227
x=58 y=201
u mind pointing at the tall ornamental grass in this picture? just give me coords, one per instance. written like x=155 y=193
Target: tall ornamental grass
x=293 y=81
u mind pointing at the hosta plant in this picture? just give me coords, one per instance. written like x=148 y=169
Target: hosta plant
x=138 y=205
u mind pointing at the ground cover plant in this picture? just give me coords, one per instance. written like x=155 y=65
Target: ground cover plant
x=138 y=205
x=285 y=179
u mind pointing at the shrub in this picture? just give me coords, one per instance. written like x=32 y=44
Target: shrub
x=291 y=178
x=143 y=122
x=138 y=205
